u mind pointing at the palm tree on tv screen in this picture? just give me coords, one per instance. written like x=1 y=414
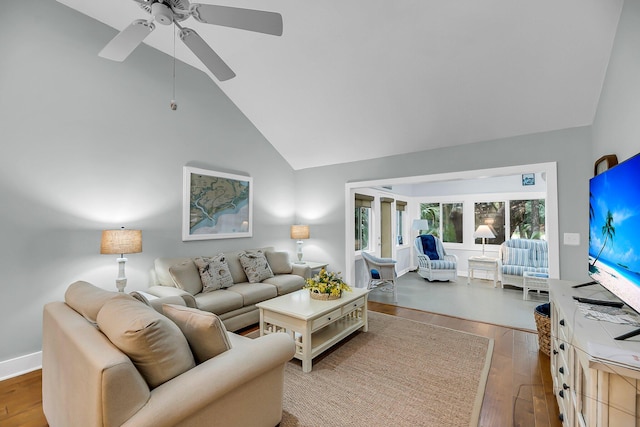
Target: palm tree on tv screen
x=608 y=231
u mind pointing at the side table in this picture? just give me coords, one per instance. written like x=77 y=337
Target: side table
x=315 y=266
x=534 y=282
x=484 y=264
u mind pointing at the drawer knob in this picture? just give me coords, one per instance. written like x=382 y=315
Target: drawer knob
x=565 y=386
x=328 y=318
x=555 y=351
x=562 y=322
x=561 y=394
x=561 y=369
x=562 y=346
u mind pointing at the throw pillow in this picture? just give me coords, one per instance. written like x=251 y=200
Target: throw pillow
x=516 y=256
x=87 y=299
x=155 y=345
x=204 y=331
x=279 y=262
x=255 y=266
x=214 y=272
x=186 y=277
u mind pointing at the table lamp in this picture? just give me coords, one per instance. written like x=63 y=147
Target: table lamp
x=121 y=242
x=299 y=232
x=420 y=224
x=485 y=232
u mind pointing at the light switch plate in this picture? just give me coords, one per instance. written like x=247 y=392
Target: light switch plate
x=572 y=239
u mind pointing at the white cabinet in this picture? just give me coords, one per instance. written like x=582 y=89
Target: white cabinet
x=596 y=378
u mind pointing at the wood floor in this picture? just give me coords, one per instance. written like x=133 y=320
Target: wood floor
x=518 y=393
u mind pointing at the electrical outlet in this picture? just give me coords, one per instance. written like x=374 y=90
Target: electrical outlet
x=572 y=239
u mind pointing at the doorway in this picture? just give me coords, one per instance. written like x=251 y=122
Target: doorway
x=548 y=171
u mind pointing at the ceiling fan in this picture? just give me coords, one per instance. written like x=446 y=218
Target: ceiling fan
x=167 y=12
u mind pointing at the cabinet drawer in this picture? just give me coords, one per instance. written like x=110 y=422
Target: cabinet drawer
x=353 y=305
x=326 y=319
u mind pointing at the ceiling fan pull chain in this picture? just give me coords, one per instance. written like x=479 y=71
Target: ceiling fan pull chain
x=174 y=104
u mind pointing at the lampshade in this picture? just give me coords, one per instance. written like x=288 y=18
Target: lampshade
x=484 y=231
x=299 y=232
x=121 y=241
x=420 y=224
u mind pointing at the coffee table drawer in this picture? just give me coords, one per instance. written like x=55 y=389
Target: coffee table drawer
x=326 y=319
x=352 y=306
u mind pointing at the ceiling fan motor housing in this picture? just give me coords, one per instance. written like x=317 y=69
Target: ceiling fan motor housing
x=162 y=13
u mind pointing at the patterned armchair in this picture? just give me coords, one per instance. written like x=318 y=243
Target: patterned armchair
x=518 y=256
x=433 y=261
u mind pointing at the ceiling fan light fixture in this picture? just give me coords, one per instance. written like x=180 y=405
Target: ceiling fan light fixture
x=162 y=13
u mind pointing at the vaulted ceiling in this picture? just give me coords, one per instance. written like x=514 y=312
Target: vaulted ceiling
x=364 y=79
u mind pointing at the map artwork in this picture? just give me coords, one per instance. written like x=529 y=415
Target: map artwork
x=218 y=205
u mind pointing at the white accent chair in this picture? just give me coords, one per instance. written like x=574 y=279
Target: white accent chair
x=444 y=268
x=382 y=273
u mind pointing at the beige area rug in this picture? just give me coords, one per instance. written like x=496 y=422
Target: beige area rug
x=400 y=373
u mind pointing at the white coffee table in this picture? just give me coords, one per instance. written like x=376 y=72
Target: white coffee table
x=314 y=325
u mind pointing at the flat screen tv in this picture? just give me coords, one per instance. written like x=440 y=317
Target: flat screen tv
x=614 y=232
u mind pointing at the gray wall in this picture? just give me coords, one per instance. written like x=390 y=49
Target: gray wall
x=616 y=128
x=323 y=189
x=89 y=144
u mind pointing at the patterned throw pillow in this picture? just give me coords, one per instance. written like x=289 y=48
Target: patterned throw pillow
x=255 y=266
x=214 y=272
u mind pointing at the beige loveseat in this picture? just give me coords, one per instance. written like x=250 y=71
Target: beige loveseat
x=168 y=373
x=235 y=303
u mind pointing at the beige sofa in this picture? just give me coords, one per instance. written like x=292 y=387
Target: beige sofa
x=88 y=381
x=234 y=304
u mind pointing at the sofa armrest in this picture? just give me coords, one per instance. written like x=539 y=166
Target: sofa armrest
x=198 y=389
x=168 y=291
x=301 y=270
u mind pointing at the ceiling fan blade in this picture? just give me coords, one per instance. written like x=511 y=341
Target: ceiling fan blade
x=244 y=19
x=127 y=40
x=209 y=58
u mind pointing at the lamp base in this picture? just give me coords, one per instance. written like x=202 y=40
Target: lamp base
x=121 y=280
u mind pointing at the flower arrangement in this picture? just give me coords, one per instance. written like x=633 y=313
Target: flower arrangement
x=327 y=283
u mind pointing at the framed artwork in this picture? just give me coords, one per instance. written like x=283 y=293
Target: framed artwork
x=528 y=179
x=216 y=205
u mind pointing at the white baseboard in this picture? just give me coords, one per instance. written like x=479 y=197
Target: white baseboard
x=20 y=365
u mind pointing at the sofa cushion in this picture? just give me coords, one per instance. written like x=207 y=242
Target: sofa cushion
x=214 y=272
x=204 y=331
x=441 y=264
x=186 y=277
x=87 y=299
x=219 y=302
x=155 y=345
x=279 y=262
x=520 y=257
x=286 y=283
x=255 y=266
x=253 y=293
x=542 y=255
x=237 y=272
